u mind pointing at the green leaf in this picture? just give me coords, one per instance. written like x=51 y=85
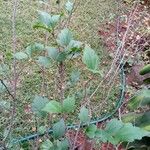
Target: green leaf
x=38 y=104
x=146 y=98
x=59 y=129
x=75 y=76
x=41 y=129
x=35 y=47
x=20 y=55
x=143 y=121
x=74 y=44
x=52 y=52
x=64 y=37
x=103 y=136
x=61 y=57
x=84 y=115
x=44 y=18
x=90 y=59
x=63 y=145
x=69 y=104
x=69 y=6
x=47 y=145
x=141 y=99
x=73 y=49
x=129 y=133
x=145 y=70
x=53 y=107
x=46 y=21
x=44 y=61
x=54 y=20
x=39 y=25
x=113 y=126
x=8 y=55
x=116 y=131
x=90 y=131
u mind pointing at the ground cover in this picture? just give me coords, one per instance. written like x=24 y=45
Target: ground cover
x=86 y=20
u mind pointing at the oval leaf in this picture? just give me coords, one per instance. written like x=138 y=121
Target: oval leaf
x=69 y=104
x=64 y=37
x=53 y=107
x=84 y=115
x=20 y=55
x=90 y=59
x=63 y=145
x=90 y=131
x=59 y=129
x=52 y=52
x=39 y=25
x=35 y=47
x=44 y=61
x=116 y=131
x=38 y=104
x=54 y=20
x=47 y=145
x=44 y=17
x=61 y=56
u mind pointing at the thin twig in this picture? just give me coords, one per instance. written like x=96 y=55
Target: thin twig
x=14 y=43
x=7 y=89
x=75 y=6
x=14 y=47
x=112 y=81
x=113 y=77
x=76 y=136
x=44 y=86
x=108 y=73
x=121 y=47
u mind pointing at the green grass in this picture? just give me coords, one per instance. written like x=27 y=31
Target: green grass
x=86 y=21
